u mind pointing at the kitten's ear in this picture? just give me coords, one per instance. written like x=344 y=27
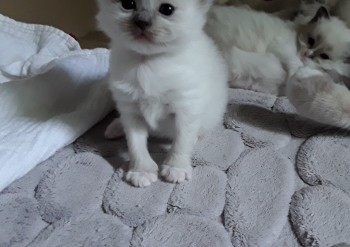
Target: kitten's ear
x=205 y=5
x=321 y=13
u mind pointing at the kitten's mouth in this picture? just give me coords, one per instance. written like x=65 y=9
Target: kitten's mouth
x=143 y=37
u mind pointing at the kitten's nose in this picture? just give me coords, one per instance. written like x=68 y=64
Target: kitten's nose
x=307 y=53
x=142 y=24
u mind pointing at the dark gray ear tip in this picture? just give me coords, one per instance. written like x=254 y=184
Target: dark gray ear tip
x=323 y=9
x=323 y=12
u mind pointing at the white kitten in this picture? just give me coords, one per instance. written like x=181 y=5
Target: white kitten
x=259 y=48
x=324 y=44
x=262 y=50
x=167 y=78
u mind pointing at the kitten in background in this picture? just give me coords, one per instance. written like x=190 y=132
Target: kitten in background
x=263 y=51
x=255 y=41
x=255 y=45
x=326 y=46
x=167 y=78
x=322 y=95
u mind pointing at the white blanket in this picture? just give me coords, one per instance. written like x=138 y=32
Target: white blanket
x=51 y=92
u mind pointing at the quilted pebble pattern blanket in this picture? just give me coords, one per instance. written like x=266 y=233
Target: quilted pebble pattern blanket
x=265 y=178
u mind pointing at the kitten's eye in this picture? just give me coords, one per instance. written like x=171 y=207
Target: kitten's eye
x=324 y=56
x=166 y=9
x=311 y=42
x=128 y=4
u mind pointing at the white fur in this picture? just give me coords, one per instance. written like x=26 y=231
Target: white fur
x=316 y=96
x=269 y=43
x=177 y=89
x=262 y=51
x=337 y=36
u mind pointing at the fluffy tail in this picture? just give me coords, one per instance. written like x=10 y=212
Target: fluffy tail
x=316 y=96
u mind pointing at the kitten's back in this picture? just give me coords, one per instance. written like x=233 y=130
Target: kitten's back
x=248 y=29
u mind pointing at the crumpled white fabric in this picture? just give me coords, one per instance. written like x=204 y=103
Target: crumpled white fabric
x=51 y=92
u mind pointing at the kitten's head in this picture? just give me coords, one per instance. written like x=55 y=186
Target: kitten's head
x=152 y=26
x=324 y=43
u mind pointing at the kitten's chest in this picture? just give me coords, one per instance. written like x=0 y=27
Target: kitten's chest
x=145 y=81
x=146 y=92
x=153 y=110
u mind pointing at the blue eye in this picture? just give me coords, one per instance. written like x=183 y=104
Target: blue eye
x=128 y=4
x=166 y=9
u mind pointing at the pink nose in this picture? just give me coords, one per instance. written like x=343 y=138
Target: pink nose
x=307 y=53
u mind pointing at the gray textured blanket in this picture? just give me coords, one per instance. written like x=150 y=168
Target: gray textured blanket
x=268 y=179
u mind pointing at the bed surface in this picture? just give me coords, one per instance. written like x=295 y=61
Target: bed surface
x=268 y=178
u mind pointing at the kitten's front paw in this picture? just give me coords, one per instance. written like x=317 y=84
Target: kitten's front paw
x=114 y=130
x=176 y=174
x=141 y=179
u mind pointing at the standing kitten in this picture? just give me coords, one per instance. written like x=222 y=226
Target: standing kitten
x=262 y=50
x=167 y=78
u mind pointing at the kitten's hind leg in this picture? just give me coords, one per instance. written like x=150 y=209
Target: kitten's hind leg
x=143 y=170
x=178 y=166
x=114 y=130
